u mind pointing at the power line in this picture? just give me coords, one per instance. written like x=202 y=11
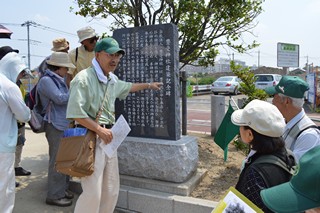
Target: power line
x=29 y=24
x=40 y=26
x=50 y=29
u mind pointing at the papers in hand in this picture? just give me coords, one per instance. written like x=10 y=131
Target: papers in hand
x=234 y=201
x=120 y=130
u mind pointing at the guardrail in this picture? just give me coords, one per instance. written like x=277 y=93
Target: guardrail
x=201 y=89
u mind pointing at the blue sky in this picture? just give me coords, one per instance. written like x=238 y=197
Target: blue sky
x=288 y=21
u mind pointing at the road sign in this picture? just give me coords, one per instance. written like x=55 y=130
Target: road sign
x=287 y=55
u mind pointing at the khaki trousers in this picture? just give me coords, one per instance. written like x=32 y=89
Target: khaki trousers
x=101 y=189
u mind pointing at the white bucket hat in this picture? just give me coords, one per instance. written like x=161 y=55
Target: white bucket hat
x=85 y=33
x=60 y=59
x=261 y=116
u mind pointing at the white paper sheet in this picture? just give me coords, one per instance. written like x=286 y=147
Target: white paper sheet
x=120 y=130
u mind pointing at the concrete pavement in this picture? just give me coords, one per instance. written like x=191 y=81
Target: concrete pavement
x=31 y=194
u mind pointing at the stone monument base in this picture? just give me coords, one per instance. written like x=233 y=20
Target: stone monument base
x=183 y=189
x=165 y=160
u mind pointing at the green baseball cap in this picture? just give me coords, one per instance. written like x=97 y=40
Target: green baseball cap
x=303 y=190
x=109 y=45
x=291 y=86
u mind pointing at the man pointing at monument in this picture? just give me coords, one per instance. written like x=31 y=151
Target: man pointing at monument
x=87 y=91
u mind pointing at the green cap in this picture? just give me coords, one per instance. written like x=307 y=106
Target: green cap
x=291 y=86
x=109 y=45
x=303 y=190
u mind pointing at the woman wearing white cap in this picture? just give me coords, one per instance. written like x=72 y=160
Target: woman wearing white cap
x=53 y=93
x=261 y=126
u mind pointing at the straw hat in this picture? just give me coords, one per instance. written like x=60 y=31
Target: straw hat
x=60 y=59
x=85 y=33
x=59 y=44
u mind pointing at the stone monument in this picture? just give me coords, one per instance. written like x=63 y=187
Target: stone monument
x=154 y=148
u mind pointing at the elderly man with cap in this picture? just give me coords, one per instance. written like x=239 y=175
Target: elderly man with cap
x=82 y=56
x=54 y=95
x=59 y=45
x=13 y=109
x=301 y=133
x=302 y=193
x=87 y=91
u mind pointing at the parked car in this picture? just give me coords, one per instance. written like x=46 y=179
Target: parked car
x=226 y=84
x=266 y=80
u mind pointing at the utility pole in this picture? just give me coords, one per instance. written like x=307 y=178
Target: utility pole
x=258 y=58
x=28 y=23
x=308 y=71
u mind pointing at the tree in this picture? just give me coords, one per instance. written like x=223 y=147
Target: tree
x=247 y=83
x=203 y=25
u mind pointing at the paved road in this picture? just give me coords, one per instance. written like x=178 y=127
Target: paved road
x=199 y=112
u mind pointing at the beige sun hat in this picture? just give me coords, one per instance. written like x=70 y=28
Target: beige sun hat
x=60 y=59
x=59 y=44
x=85 y=33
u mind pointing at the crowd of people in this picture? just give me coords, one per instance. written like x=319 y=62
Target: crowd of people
x=72 y=87
x=66 y=95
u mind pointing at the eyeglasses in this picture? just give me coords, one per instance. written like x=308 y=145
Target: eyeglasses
x=94 y=39
x=114 y=55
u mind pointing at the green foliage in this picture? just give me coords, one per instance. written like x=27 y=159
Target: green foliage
x=189 y=91
x=206 y=80
x=247 y=85
x=241 y=145
x=192 y=81
x=203 y=25
x=247 y=88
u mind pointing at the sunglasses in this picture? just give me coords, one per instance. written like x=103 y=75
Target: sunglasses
x=94 y=39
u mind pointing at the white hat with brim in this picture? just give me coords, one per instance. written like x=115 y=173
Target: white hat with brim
x=60 y=59
x=28 y=72
x=85 y=33
x=262 y=117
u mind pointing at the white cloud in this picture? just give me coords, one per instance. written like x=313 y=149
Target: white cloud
x=41 y=18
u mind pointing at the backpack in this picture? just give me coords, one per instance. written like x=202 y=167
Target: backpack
x=30 y=98
x=275 y=160
x=36 y=122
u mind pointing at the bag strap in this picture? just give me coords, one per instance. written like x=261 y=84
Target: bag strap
x=101 y=107
x=308 y=127
x=298 y=134
x=76 y=54
x=272 y=159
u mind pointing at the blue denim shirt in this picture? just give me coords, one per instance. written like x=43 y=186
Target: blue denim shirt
x=57 y=96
